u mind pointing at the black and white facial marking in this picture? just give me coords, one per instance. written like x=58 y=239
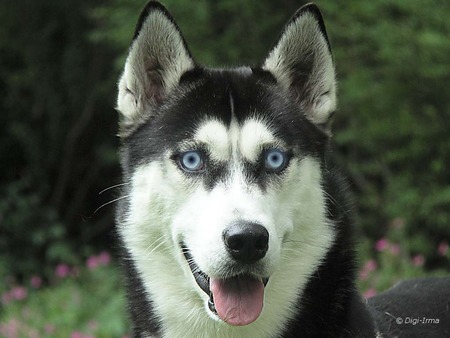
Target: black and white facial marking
x=225 y=177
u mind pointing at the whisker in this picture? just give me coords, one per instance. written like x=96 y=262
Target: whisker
x=112 y=187
x=110 y=202
x=161 y=241
x=335 y=202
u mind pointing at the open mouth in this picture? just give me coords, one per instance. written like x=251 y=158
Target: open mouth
x=237 y=300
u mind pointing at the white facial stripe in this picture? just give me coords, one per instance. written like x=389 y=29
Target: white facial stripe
x=224 y=143
x=215 y=135
x=254 y=135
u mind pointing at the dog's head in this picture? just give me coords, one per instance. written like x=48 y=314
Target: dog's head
x=223 y=166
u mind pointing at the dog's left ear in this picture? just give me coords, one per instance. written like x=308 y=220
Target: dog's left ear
x=302 y=63
x=157 y=59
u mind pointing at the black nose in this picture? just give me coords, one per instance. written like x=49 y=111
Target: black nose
x=247 y=242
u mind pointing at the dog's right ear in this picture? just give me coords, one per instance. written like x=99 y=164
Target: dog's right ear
x=302 y=63
x=157 y=58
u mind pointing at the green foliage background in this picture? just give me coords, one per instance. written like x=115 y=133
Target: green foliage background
x=59 y=63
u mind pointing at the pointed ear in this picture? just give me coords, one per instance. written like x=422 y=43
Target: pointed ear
x=302 y=63
x=157 y=58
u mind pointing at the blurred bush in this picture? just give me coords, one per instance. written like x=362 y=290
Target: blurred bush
x=60 y=60
x=392 y=128
x=57 y=134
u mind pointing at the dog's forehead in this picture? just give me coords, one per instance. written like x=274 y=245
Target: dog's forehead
x=236 y=104
x=237 y=115
x=247 y=138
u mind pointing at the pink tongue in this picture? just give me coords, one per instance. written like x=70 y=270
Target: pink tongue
x=239 y=300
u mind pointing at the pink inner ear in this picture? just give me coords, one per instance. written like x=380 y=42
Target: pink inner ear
x=154 y=85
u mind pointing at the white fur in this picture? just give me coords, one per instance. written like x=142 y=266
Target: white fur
x=215 y=136
x=254 y=136
x=301 y=40
x=166 y=207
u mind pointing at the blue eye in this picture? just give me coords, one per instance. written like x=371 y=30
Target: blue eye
x=275 y=159
x=192 y=160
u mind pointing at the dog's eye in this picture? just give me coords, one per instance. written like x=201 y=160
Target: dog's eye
x=192 y=160
x=275 y=160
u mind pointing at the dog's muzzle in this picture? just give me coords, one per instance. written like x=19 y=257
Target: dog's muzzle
x=237 y=300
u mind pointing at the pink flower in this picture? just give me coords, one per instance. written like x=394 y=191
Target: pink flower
x=442 y=248
x=370 y=293
x=62 y=270
x=36 y=281
x=418 y=260
x=92 y=262
x=369 y=266
x=382 y=244
x=394 y=249
x=104 y=258
x=19 y=293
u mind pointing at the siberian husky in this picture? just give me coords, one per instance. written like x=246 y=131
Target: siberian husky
x=234 y=220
